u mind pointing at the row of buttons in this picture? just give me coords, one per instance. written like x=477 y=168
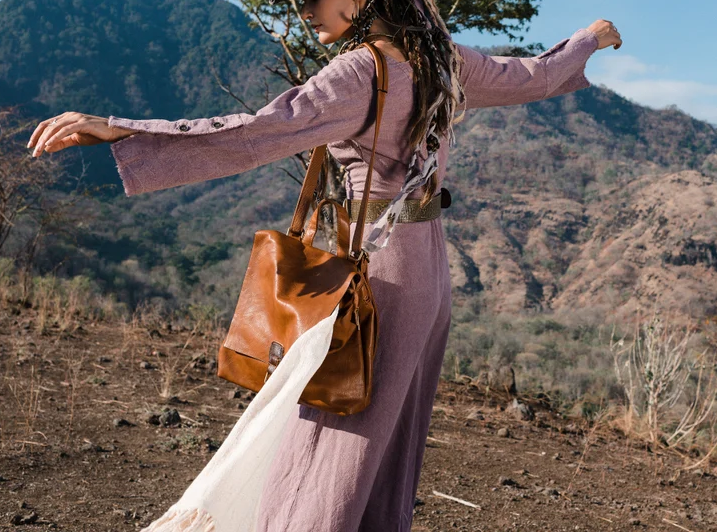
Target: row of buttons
x=185 y=127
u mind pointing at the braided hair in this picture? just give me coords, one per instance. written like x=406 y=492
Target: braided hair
x=419 y=30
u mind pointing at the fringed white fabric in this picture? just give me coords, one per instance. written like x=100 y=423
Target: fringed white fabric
x=225 y=496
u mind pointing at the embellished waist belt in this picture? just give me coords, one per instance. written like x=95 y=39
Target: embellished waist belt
x=411 y=211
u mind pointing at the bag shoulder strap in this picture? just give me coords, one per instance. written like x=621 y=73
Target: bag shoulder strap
x=317 y=157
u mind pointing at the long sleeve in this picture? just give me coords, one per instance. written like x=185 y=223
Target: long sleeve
x=490 y=81
x=332 y=105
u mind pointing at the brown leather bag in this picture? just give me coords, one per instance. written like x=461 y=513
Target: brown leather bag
x=290 y=286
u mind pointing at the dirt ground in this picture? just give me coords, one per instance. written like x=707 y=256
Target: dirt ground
x=88 y=444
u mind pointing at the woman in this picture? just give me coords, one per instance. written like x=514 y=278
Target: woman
x=358 y=472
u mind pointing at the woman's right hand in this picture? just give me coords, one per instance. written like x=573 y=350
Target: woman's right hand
x=73 y=129
x=607 y=34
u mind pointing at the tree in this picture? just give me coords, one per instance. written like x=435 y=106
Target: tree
x=26 y=193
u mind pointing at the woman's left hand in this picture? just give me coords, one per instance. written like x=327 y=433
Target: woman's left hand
x=607 y=34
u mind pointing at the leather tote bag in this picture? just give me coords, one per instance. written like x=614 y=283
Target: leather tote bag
x=290 y=286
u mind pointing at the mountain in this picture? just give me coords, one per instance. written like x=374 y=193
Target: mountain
x=542 y=192
x=546 y=188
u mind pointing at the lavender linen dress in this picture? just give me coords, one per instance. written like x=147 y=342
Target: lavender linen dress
x=359 y=472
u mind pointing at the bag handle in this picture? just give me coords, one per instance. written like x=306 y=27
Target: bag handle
x=343 y=223
x=317 y=158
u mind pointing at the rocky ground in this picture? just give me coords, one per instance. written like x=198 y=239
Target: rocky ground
x=88 y=444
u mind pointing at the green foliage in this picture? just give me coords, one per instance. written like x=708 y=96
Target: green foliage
x=540 y=326
x=565 y=355
x=213 y=253
x=131 y=58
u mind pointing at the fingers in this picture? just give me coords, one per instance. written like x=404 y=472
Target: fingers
x=39 y=130
x=46 y=129
x=60 y=136
x=618 y=44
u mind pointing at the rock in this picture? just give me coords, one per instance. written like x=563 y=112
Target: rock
x=522 y=411
x=503 y=433
x=234 y=394
x=24 y=519
x=211 y=445
x=89 y=446
x=170 y=417
x=502 y=379
x=475 y=415
x=556 y=456
x=198 y=360
x=551 y=492
x=126 y=514
x=174 y=400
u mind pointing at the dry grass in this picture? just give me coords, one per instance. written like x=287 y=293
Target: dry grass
x=72 y=380
x=670 y=388
x=27 y=400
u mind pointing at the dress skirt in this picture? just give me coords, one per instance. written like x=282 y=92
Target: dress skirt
x=360 y=472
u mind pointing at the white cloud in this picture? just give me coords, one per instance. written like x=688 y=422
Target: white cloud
x=649 y=85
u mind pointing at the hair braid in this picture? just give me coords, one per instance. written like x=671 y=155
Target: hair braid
x=436 y=67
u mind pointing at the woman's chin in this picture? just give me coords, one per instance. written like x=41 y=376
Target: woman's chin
x=325 y=38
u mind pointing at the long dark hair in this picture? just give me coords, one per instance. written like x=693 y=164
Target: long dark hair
x=418 y=29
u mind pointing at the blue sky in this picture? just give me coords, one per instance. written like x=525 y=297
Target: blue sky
x=668 y=56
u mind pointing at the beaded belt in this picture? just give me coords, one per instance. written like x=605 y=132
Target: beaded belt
x=411 y=212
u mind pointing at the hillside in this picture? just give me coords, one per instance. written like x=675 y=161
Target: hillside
x=131 y=58
x=651 y=240
x=115 y=421
x=540 y=190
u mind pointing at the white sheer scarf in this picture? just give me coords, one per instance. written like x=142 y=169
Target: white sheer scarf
x=225 y=496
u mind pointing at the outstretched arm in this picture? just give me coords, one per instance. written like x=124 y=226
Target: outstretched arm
x=332 y=105
x=490 y=81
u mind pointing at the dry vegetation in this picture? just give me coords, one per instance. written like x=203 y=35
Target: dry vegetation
x=113 y=413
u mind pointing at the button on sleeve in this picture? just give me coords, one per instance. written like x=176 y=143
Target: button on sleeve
x=333 y=105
